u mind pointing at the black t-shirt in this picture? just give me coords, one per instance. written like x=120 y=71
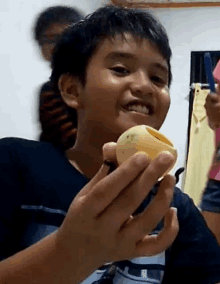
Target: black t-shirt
x=38 y=185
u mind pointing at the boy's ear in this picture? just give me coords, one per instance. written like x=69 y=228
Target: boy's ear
x=69 y=90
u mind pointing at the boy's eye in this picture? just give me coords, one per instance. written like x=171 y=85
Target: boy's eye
x=120 y=70
x=158 y=80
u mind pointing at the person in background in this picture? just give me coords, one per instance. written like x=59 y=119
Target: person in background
x=57 y=126
x=210 y=201
x=50 y=24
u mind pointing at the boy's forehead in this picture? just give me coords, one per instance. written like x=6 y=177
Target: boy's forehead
x=128 y=44
x=121 y=41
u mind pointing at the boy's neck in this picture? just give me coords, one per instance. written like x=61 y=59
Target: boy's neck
x=86 y=155
x=88 y=161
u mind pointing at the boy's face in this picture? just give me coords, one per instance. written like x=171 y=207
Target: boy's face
x=126 y=85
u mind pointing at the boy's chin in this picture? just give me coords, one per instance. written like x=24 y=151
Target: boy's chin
x=129 y=119
x=136 y=124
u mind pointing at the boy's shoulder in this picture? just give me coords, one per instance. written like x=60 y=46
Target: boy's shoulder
x=21 y=144
x=24 y=151
x=9 y=141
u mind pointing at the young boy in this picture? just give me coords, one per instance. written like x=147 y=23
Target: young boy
x=113 y=70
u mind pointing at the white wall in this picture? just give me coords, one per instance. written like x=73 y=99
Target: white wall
x=22 y=70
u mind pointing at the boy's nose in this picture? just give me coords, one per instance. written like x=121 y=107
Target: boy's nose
x=142 y=85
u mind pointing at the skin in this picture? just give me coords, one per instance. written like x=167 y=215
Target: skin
x=110 y=83
x=50 y=33
x=99 y=226
x=213 y=222
x=212 y=107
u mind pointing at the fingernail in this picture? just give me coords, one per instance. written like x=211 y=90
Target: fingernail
x=142 y=157
x=175 y=209
x=167 y=152
x=170 y=156
x=141 y=153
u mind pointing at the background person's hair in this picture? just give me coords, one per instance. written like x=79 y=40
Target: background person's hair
x=80 y=41
x=52 y=15
x=57 y=124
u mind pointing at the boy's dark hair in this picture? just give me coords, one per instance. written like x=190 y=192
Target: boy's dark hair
x=80 y=41
x=55 y=14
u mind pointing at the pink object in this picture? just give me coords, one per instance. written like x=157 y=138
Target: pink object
x=216 y=72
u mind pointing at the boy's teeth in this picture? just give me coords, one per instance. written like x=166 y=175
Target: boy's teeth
x=139 y=108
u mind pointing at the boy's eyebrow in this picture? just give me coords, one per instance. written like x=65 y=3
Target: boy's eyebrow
x=128 y=55
x=162 y=67
x=118 y=54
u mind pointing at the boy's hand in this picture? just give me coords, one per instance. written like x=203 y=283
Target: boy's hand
x=99 y=226
x=212 y=107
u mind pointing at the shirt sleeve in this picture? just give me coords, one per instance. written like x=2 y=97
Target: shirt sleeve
x=194 y=256
x=10 y=181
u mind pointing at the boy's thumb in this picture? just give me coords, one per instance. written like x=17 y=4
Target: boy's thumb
x=109 y=152
x=109 y=157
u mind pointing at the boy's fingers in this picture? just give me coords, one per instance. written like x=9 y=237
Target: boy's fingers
x=212 y=107
x=212 y=97
x=130 y=199
x=102 y=173
x=108 y=155
x=111 y=186
x=152 y=245
x=213 y=114
x=109 y=152
x=147 y=221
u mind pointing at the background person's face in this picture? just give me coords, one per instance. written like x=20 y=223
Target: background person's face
x=50 y=38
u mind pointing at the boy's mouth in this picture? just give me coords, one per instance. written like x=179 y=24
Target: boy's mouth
x=139 y=108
